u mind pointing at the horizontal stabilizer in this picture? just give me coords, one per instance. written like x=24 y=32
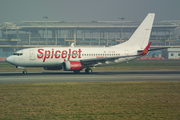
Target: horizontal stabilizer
x=154 y=49
x=159 y=48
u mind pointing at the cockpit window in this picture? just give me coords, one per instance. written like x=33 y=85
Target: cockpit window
x=18 y=54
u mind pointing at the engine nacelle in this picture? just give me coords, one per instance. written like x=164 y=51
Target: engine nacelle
x=72 y=66
x=53 y=68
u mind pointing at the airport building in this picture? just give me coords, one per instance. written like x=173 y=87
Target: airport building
x=26 y=34
x=171 y=53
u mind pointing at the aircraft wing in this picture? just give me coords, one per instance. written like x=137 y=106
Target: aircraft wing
x=104 y=59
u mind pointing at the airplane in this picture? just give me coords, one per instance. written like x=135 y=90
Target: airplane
x=77 y=58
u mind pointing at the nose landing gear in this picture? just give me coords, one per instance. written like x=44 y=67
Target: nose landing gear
x=24 y=68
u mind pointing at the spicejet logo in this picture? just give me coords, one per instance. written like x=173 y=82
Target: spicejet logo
x=58 y=54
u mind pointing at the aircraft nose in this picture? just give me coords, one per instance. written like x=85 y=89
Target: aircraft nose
x=9 y=59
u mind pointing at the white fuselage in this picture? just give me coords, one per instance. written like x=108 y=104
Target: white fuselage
x=54 y=56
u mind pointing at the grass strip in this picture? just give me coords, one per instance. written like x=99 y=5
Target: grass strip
x=117 y=100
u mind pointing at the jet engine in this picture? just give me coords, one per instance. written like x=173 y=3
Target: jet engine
x=72 y=66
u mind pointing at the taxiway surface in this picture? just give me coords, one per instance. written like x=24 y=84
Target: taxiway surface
x=104 y=76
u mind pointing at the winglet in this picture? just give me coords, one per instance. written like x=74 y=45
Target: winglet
x=72 y=45
x=146 y=49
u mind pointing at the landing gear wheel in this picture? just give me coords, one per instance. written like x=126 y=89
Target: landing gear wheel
x=77 y=71
x=24 y=72
x=88 y=71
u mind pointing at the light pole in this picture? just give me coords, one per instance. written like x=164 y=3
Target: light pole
x=46 y=28
x=121 y=26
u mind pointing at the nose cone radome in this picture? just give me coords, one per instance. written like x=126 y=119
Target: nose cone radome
x=9 y=59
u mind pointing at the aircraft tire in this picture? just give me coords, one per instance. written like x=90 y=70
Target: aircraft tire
x=88 y=71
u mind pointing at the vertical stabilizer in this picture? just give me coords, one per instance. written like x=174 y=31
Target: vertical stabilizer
x=141 y=36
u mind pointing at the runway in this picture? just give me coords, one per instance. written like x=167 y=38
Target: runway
x=103 y=76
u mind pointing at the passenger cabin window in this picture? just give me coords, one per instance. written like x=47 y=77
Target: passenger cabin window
x=172 y=54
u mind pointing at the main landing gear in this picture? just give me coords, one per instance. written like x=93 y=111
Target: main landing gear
x=88 y=71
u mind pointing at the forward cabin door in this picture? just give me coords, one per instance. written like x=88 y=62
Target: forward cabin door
x=32 y=55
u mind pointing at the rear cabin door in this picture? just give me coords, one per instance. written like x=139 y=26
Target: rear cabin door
x=32 y=55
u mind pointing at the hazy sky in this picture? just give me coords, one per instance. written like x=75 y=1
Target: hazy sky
x=87 y=10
